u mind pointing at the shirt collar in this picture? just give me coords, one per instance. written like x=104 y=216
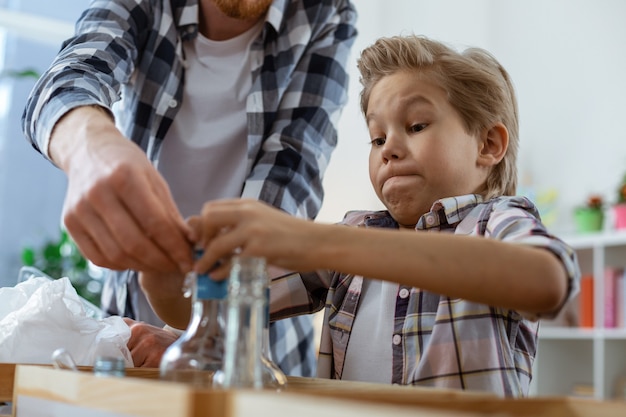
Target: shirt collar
x=380 y=219
x=186 y=18
x=444 y=214
x=276 y=14
x=448 y=212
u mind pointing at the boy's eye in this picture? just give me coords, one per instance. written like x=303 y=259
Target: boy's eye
x=418 y=127
x=378 y=142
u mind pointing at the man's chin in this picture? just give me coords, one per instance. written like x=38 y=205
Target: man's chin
x=243 y=10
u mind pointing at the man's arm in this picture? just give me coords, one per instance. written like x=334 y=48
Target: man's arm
x=90 y=68
x=117 y=208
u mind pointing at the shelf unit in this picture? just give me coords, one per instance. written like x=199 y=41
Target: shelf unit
x=594 y=359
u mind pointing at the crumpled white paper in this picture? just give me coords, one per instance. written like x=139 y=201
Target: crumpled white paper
x=39 y=315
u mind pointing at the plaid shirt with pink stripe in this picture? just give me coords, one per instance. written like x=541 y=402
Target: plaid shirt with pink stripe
x=437 y=341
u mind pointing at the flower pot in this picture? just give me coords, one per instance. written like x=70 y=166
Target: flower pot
x=619 y=215
x=588 y=219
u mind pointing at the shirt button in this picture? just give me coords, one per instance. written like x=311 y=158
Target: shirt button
x=430 y=220
x=396 y=339
x=173 y=103
x=404 y=293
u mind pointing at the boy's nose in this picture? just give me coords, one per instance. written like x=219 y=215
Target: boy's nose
x=392 y=149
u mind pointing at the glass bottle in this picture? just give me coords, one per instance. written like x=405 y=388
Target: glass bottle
x=246 y=360
x=273 y=376
x=199 y=351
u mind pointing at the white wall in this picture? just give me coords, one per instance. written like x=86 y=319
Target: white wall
x=567 y=59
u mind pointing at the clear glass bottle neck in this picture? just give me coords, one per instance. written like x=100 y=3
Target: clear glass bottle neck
x=247 y=303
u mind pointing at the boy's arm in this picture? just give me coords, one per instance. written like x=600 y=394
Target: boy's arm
x=164 y=292
x=502 y=274
x=290 y=294
x=293 y=293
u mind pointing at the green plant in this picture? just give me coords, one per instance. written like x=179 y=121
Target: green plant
x=590 y=216
x=594 y=202
x=24 y=73
x=61 y=258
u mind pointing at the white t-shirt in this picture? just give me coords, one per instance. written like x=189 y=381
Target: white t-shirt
x=203 y=156
x=368 y=355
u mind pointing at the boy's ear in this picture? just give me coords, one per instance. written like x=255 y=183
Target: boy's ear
x=493 y=145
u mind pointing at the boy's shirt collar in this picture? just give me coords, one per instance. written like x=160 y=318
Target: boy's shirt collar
x=444 y=213
x=448 y=212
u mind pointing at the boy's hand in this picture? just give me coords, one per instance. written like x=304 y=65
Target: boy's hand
x=250 y=228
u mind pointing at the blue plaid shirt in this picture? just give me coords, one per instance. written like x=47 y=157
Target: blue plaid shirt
x=437 y=341
x=132 y=50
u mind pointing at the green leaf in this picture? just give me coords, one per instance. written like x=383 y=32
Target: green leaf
x=25 y=73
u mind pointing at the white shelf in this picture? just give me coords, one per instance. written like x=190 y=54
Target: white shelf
x=594 y=358
x=576 y=333
x=601 y=239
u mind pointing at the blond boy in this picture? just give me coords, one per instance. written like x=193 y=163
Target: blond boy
x=446 y=286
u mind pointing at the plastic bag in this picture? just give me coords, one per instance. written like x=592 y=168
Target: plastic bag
x=28 y=272
x=40 y=315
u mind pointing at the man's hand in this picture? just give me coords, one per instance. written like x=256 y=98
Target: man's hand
x=118 y=209
x=148 y=343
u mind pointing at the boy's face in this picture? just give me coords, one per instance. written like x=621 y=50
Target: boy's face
x=420 y=151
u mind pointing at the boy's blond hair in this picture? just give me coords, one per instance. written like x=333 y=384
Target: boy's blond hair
x=477 y=86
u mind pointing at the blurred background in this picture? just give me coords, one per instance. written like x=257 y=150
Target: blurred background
x=566 y=57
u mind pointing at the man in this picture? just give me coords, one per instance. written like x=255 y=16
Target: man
x=220 y=98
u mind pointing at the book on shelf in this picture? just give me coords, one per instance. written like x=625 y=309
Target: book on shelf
x=585 y=302
x=610 y=301
x=619 y=295
x=614 y=298
x=580 y=310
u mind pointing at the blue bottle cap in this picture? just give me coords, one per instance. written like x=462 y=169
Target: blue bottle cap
x=209 y=289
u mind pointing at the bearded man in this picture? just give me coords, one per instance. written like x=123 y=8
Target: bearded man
x=155 y=107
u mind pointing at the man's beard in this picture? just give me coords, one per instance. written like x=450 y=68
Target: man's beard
x=243 y=9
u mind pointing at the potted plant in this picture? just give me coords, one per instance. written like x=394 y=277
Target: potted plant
x=590 y=217
x=619 y=208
